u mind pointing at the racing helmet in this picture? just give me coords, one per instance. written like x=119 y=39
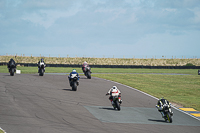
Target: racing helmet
x=74 y=70
x=114 y=87
x=42 y=60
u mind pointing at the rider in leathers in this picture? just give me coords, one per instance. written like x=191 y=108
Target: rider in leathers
x=85 y=64
x=160 y=104
x=10 y=63
x=41 y=61
x=70 y=75
x=114 y=91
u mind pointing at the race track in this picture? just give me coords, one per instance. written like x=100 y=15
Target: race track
x=33 y=104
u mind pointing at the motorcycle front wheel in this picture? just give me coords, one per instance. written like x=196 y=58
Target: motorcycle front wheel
x=169 y=117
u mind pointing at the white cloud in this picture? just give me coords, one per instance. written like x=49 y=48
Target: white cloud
x=133 y=18
x=108 y=23
x=196 y=18
x=47 y=18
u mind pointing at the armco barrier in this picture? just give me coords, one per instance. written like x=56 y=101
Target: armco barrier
x=109 y=66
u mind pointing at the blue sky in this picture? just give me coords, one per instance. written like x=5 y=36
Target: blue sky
x=100 y=28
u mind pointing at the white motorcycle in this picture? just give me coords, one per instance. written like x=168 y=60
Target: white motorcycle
x=41 y=69
x=74 y=82
x=117 y=101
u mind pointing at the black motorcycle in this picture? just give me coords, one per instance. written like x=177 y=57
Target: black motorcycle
x=87 y=72
x=74 y=82
x=12 y=69
x=167 y=113
x=41 y=69
x=117 y=101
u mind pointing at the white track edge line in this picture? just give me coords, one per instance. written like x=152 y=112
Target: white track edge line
x=2 y=130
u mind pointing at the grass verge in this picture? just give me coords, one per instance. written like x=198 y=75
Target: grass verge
x=3 y=69
x=180 y=89
x=1 y=131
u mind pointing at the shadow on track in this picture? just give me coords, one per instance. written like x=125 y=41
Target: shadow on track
x=83 y=77
x=67 y=89
x=157 y=120
x=8 y=75
x=107 y=108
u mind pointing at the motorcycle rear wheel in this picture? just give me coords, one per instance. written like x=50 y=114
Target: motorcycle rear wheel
x=117 y=105
x=41 y=72
x=74 y=86
x=88 y=75
x=12 y=71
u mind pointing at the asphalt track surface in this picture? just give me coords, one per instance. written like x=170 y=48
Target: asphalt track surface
x=33 y=104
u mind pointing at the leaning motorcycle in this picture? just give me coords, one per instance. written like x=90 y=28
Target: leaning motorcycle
x=87 y=72
x=167 y=113
x=116 y=102
x=41 y=69
x=12 y=69
x=74 y=82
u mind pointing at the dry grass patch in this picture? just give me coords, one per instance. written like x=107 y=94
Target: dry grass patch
x=103 y=61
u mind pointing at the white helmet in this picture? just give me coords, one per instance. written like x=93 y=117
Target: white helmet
x=114 y=87
x=74 y=70
x=85 y=62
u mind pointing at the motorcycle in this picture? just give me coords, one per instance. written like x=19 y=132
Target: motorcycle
x=167 y=113
x=41 y=69
x=12 y=69
x=87 y=72
x=116 y=102
x=74 y=82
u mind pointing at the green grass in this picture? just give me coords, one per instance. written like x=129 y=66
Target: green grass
x=29 y=70
x=3 y=69
x=141 y=70
x=1 y=131
x=180 y=89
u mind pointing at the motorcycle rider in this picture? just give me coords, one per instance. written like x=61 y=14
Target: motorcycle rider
x=10 y=63
x=41 y=61
x=160 y=104
x=85 y=64
x=114 y=91
x=70 y=76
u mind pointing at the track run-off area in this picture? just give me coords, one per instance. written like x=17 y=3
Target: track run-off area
x=45 y=104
